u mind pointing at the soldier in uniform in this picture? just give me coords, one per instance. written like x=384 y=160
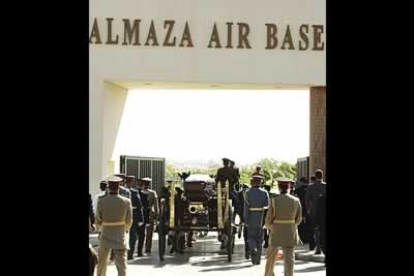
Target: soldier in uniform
x=93 y=259
x=137 y=216
x=235 y=184
x=122 y=190
x=259 y=172
x=283 y=217
x=141 y=230
x=235 y=174
x=151 y=212
x=320 y=222
x=256 y=200
x=315 y=190
x=224 y=174
x=245 y=230
x=113 y=220
x=303 y=227
x=267 y=188
x=103 y=186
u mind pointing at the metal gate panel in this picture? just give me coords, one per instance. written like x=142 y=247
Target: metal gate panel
x=140 y=167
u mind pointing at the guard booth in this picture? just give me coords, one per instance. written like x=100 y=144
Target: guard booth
x=302 y=168
x=140 y=167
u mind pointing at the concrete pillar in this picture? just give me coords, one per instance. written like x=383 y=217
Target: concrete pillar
x=317 y=155
x=106 y=107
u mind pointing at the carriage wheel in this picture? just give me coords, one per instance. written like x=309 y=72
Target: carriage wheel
x=230 y=234
x=162 y=229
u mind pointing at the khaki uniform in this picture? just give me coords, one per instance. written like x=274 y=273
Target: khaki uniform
x=283 y=217
x=113 y=220
x=153 y=215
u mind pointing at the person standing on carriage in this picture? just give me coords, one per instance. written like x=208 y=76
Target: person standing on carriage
x=256 y=200
x=224 y=174
x=258 y=171
x=137 y=216
x=236 y=173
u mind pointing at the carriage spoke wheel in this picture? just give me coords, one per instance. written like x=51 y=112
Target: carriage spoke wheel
x=162 y=229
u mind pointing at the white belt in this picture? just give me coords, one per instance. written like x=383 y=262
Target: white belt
x=119 y=223
x=284 y=221
x=134 y=207
x=256 y=209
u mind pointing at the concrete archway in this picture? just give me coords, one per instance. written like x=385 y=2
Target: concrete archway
x=176 y=44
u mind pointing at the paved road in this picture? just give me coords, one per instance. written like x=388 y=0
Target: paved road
x=205 y=258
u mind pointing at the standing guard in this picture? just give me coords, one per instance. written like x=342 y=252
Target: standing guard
x=152 y=212
x=283 y=217
x=224 y=174
x=267 y=188
x=137 y=216
x=245 y=230
x=122 y=190
x=255 y=201
x=113 y=220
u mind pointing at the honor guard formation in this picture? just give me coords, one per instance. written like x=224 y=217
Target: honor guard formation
x=126 y=218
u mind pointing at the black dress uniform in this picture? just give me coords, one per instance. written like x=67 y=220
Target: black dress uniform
x=141 y=229
x=304 y=230
x=137 y=221
x=320 y=221
x=245 y=230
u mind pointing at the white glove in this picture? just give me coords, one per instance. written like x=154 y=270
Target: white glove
x=140 y=224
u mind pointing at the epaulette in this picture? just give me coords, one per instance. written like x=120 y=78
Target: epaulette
x=245 y=196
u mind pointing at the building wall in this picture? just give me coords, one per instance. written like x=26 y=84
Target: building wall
x=317 y=156
x=110 y=64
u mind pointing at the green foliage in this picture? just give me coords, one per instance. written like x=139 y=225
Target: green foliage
x=271 y=170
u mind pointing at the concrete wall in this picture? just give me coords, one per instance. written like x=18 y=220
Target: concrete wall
x=317 y=156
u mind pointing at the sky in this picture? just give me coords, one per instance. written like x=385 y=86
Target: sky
x=207 y=125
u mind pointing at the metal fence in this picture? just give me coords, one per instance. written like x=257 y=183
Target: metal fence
x=302 y=168
x=140 y=167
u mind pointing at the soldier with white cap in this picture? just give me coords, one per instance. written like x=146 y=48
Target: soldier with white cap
x=113 y=220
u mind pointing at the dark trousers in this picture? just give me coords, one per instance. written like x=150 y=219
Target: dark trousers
x=133 y=236
x=141 y=238
x=304 y=231
x=322 y=238
x=246 y=239
x=255 y=243
x=93 y=261
x=312 y=235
